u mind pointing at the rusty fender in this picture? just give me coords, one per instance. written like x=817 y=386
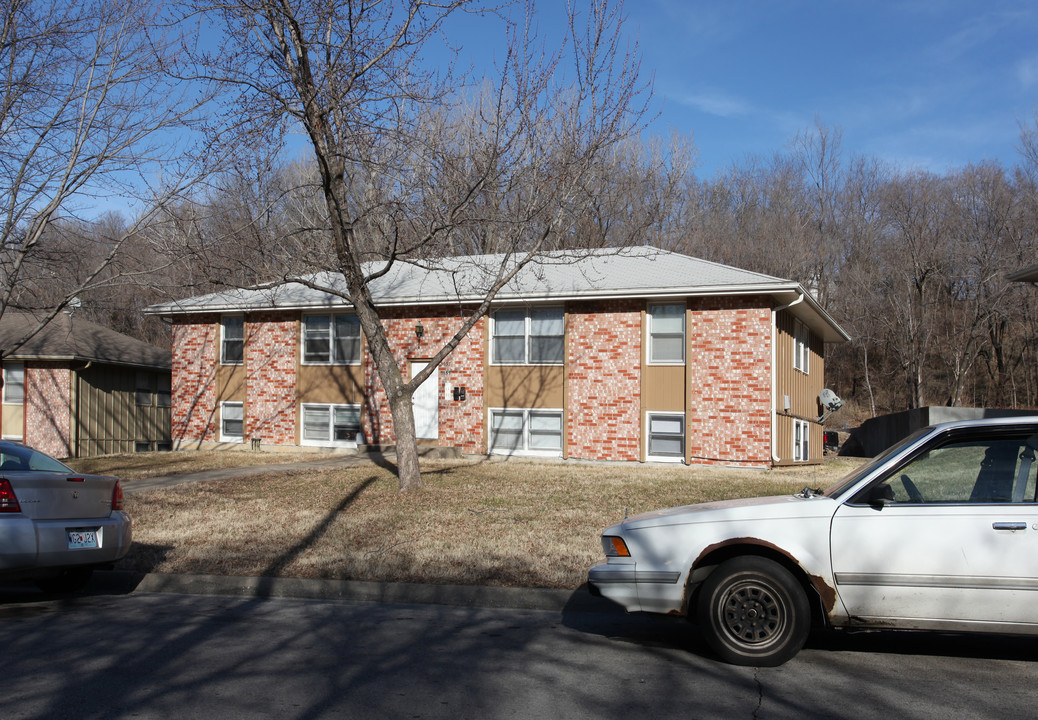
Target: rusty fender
x=825 y=592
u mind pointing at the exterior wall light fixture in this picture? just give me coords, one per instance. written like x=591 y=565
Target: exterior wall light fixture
x=419 y=330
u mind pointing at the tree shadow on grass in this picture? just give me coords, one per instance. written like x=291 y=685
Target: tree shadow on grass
x=285 y=559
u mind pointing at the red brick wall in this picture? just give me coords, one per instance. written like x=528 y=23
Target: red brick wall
x=48 y=396
x=729 y=421
x=604 y=371
x=195 y=347
x=729 y=393
x=461 y=422
x=270 y=378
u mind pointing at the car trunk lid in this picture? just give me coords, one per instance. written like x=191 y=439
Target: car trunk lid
x=59 y=496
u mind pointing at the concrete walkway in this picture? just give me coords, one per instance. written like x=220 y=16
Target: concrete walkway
x=382 y=457
x=164 y=481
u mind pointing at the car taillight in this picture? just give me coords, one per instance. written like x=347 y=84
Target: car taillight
x=117 y=496
x=8 y=502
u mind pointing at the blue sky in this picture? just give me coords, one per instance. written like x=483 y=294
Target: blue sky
x=929 y=85
x=923 y=85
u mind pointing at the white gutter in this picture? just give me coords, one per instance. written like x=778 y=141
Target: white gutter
x=774 y=385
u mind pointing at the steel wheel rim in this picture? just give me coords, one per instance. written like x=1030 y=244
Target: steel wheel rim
x=753 y=614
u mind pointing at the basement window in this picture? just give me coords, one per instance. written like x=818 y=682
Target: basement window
x=801 y=434
x=232 y=422
x=526 y=432
x=666 y=439
x=331 y=425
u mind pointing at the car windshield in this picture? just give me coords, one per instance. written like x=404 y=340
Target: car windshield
x=851 y=479
x=20 y=458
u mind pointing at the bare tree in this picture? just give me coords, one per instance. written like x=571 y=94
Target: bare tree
x=86 y=117
x=413 y=160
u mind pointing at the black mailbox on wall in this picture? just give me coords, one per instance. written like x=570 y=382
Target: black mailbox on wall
x=459 y=393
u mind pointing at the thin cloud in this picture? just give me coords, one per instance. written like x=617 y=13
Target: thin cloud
x=716 y=103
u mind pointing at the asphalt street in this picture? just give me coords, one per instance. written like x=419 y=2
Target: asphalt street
x=124 y=651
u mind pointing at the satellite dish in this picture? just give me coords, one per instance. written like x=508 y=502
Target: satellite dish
x=828 y=399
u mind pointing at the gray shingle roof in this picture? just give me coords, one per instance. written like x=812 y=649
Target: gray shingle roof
x=632 y=272
x=71 y=338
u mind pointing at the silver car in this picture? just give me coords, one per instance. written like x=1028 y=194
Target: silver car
x=940 y=532
x=57 y=525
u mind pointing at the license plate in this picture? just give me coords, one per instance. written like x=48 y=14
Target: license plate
x=81 y=537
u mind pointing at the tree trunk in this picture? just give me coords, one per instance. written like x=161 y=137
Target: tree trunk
x=408 y=471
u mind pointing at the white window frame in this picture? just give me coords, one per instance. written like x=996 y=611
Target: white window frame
x=652 y=359
x=526 y=448
x=801 y=440
x=224 y=437
x=527 y=334
x=649 y=415
x=331 y=441
x=332 y=344
x=801 y=347
x=224 y=340
x=11 y=369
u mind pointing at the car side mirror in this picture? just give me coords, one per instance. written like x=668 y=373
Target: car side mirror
x=879 y=496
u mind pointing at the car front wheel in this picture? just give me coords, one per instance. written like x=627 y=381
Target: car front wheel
x=752 y=611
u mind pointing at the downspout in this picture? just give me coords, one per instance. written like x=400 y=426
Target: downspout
x=774 y=374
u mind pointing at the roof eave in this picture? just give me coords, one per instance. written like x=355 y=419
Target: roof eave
x=828 y=329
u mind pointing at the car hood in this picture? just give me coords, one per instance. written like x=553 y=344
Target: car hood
x=779 y=506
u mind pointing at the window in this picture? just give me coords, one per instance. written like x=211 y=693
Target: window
x=331 y=425
x=331 y=339
x=163 y=396
x=232 y=342
x=666 y=334
x=534 y=337
x=232 y=422
x=534 y=432
x=801 y=347
x=982 y=469
x=145 y=382
x=14 y=383
x=666 y=433
x=801 y=435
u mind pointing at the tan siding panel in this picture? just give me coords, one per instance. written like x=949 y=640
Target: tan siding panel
x=330 y=384
x=14 y=420
x=525 y=386
x=801 y=388
x=230 y=383
x=664 y=388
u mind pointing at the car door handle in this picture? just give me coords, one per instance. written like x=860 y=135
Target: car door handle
x=1009 y=526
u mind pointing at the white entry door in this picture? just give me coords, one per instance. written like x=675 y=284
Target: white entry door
x=426 y=402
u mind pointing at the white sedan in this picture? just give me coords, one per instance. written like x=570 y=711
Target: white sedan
x=57 y=525
x=940 y=532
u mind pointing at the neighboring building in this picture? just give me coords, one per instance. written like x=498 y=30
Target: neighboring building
x=76 y=388
x=637 y=355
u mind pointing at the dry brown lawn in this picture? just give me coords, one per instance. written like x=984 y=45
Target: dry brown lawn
x=514 y=523
x=134 y=466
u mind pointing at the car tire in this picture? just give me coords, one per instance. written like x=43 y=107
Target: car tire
x=752 y=611
x=68 y=580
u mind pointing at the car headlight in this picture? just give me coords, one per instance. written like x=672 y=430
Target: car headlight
x=614 y=546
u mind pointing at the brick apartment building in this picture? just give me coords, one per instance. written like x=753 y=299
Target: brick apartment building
x=639 y=355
